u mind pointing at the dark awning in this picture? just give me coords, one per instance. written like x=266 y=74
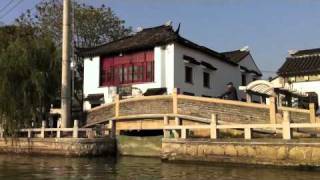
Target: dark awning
x=94 y=97
x=155 y=91
x=191 y=60
x=208 y=66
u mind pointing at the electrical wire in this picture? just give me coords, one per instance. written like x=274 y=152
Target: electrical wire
x=7 y=5
x=10 y=10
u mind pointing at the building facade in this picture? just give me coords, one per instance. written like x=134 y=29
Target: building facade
x=301 y=71
x=159 y=58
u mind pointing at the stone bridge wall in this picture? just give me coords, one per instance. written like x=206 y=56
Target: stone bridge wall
x=161 y=105
x=230 y=111
x=226 y=110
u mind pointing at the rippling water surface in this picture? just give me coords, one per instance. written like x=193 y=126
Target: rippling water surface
x=131 y=168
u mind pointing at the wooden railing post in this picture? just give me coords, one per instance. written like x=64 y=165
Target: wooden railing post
x=43 y=126
x=117 y=105
x=213 y=127
x=286 y=130
x=312 y=110
x=177 y=123
x=29 y=133
x=249 y=98
x=183 y=133
x=58 y=132
x=75 y=133
x=273 y=110
x=166 y=133
x=1 y=131
x=175 y=101
x=112 y=127
x=247 y=133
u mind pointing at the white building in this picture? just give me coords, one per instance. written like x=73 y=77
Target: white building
x=301 y=71
x=159 y=57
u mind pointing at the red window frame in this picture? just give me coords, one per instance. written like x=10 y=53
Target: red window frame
x=127 y=69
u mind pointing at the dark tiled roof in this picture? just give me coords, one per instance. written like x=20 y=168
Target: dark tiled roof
x=250 y=71
x=148 y=39
x=300 y=65
x=155 y=91
x=306 y=52
x=236 y=56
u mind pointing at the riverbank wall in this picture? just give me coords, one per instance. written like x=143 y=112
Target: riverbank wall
x=149 y=146
x=77 y=147
x=262 y=152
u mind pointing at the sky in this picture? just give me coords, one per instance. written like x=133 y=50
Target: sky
x=269 y=27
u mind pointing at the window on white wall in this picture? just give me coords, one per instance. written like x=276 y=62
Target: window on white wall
x=243 y=79
x=188 y=74
x=206 y=79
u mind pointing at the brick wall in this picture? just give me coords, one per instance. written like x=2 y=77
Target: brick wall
x=225 y=112
x=229 y=111
x=101 y=113
x=146 y=106
x=298 y=117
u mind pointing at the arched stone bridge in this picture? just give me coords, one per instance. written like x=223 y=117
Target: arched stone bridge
x=153 y=112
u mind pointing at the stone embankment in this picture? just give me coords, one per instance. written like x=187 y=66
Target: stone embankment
x=264 y=152
x=59 y=146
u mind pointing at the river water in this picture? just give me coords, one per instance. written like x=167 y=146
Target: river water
x=132 y=168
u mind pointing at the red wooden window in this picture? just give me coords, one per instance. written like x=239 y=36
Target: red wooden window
x=127 y=69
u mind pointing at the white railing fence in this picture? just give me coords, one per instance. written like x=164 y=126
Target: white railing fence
x=74 y=132
x=181 y=131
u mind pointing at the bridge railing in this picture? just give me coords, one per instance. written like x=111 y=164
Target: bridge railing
x=180 y=131
x=227 y=110
x=74 y=132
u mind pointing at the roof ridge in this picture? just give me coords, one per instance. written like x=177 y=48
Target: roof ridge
x=129 y=36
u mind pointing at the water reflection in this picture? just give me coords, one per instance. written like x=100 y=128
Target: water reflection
x=132 y=168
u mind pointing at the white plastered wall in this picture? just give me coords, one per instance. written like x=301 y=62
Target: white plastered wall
x=218 y=79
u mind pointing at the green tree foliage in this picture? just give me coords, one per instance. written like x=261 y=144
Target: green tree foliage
x=29 y=77
x=92 y=26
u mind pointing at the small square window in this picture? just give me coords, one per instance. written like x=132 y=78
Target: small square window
x=188 y=93
x=188 y=74
x=206 y=79
x=243 y=79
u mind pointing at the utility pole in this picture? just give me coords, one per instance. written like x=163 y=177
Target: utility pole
x=65 y=78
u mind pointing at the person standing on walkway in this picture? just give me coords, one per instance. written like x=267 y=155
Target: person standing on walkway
x=230 y=93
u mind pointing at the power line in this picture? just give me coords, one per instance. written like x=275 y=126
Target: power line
x=13 y=7
x=7 y=5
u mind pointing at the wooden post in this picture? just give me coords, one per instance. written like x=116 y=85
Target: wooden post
x=175 y=100
x=247 y=133
x=249 y=98
x=75 y=133
x=286 y=130
x=166 y=133
x=112 y=127
x=43 y=126
x=312 y=110
x=1 y=131
x=213 y=127
x=177 y=121
x=117 y=105
x=29 y=133
x=183 y=133
x=58 y=132
x=273 y=110
x=65 y=70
